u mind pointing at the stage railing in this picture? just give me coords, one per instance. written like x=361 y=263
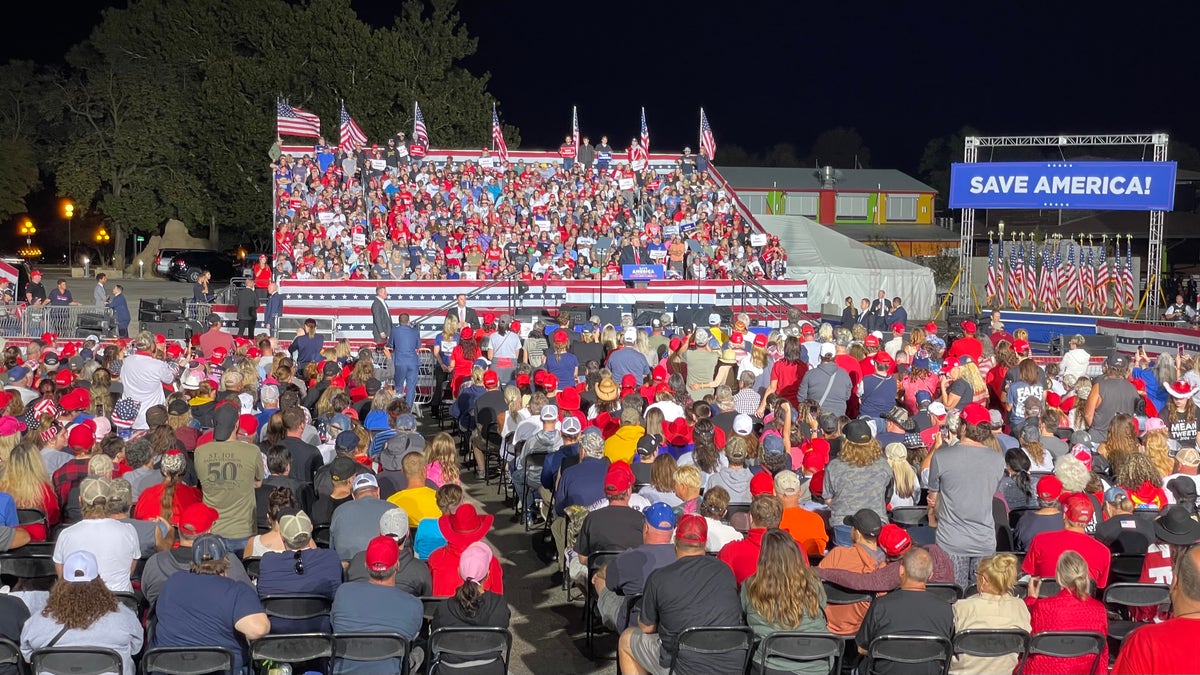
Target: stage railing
x=20 y=320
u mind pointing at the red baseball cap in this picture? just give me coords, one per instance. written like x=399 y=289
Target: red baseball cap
x=660 y=374
x=1049 y=488
x=561 y=337
x=1020 y=346
x=674 y=344
x=760 y=340
x=550 y=382
x=198 y=518
x=897 y=328
x=894 y=540
x=976 y=414
x=382 y=553
x=629 y=381
x=1078 y=509
x=807 y=329
x=568 y=399
x=762 y=484
x=931 y=327
x=871 y=341
x=692 y=529
x=618 y=478
x=248 y=425
x=491 y=378
x=82 y=436
x=968 y=326
x=522 y=380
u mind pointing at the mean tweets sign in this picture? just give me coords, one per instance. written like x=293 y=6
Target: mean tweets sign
x=1111 y=186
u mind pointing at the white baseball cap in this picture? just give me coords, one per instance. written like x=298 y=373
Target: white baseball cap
x=631 y=335
x=937 y=408
x=743 y=425
x=80 y=567
x=714 y=319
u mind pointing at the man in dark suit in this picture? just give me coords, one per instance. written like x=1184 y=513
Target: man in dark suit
x=404 y=342
x=381 y=318
x=464 y=314
x=247 y=311
x=899 y=313
x=634 y=253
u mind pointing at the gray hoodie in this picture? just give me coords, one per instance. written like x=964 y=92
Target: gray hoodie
x=735 y=481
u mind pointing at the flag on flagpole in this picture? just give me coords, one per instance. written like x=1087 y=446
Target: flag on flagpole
x=1056 y=277
x=351 y=138
x=498 y=137
x=1044 y=279
x=1102 y=279
x=1016 y=287
x=291 y=121
x=8 y=272
x=1031 y=277
x=1089 y=280
x=1130 y=286
x=1118 y=277
x=575 y=129
x=1001 y=281
x=1073 y=291
x=420 y=133
x=991 y=277
x=645 y=133
x=707 y=143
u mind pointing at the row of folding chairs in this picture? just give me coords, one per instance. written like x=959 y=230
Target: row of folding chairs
x=463 y=644
x=798 y=648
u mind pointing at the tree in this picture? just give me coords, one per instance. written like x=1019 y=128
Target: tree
x=782 y=154
x=23 y=136
x=735 y=155
x=937 y=157
x=841 y=148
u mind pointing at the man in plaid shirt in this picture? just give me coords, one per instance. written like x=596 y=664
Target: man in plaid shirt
x=80 y=441
x=746 y=400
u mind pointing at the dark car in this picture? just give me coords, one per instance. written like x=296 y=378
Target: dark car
x=162 y=262
x=187 y=266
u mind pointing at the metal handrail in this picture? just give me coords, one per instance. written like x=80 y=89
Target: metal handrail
x=503 y=279
x=755 y=290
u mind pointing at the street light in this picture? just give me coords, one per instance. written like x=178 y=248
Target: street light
x=69 y=212
x=27 y=230
x=102 y=238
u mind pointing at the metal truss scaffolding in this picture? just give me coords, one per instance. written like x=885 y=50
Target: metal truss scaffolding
x=1153 y=267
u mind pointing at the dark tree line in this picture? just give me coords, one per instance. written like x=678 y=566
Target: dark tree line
x=167 y=109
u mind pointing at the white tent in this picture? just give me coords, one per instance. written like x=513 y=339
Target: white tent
x=837 y=267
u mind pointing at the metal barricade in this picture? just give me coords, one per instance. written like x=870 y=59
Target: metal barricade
x=66 y=321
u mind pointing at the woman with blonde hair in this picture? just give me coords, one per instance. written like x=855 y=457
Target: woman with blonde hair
x=25 y=479
x=784 y=594
x=1072 y=609
x=441 y=460
x=654 y=421
x=1122 y=441
x=906 y=484
x=662 y=481
x=856 y=479
x=916 y=342
x=325 y=406
x=1159 y=450
x=993 y=607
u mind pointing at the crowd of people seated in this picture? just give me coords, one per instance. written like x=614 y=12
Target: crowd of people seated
x=829 y=480
x=383 y=214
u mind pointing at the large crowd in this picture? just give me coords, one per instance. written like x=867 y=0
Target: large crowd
x=862 y=481
x=381 y=213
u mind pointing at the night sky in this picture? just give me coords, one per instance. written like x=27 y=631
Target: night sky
x=901 y=73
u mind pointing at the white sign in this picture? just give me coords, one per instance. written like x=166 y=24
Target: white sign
x=625 y=183
x=486 y=162
x=758 y=239
x=378 y=164
x=325 y=217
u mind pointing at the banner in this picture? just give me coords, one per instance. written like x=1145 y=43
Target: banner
x=1103 y=186
x=643 y=272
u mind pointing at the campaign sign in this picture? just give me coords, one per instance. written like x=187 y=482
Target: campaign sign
x=642 y=272
x=1102 y=186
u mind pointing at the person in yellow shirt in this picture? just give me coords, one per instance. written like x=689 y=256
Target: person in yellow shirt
x=418 y=500
x=622 y=445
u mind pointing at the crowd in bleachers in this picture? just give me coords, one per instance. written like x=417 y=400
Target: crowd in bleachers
x=253 y=500
x=382 y=213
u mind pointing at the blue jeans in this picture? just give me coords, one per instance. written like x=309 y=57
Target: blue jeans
x=406 y=376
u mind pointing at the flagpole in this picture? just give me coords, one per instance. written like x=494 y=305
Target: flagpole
x=700 y=132
x=496 y=120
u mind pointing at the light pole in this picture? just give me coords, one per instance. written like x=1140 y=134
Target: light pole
x=102 y=238
x=69 y=212
x=27 y=230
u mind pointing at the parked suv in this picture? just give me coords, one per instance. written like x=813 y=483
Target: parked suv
x=162 y=262
x=187 y=265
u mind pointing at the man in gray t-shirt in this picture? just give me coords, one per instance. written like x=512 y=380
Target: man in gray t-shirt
x=963 y=479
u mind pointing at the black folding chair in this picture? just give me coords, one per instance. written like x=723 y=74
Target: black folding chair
x=130 y=600
x=910 y=516
x=24 y=565
x=707 y=642
x=837 y=595
x=468 y=644
x=992 y=643
x=10 y=652
x=595 y=562
x=1126 y=567
x=373 y=648
x=907 y=649
x=1122 y=597
x=533 y=459
x=429 y=605
x=1066 y=645
x=296 y=606
x=797 y=649
x=292 y=647
x=187 y=661
x=32 y=517
x=320 y=535
x=76 y=661
x=951 y=593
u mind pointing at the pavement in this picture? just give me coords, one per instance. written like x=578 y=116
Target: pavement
x=548 y=631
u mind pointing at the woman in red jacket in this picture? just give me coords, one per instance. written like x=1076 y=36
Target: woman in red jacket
x=25 y=478
x=1072 y=609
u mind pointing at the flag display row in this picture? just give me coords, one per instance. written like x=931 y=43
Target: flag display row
x=1058 y=273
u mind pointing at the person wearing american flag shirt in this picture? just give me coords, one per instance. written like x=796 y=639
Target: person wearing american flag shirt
x=638 y=159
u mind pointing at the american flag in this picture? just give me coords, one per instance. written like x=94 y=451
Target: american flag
x=1118 y=277
x=707 y=144
x=1031 y=277
x=352 y=138
x=420 y=133
x=498 y=136
x=575 y=129
x=1127 y=277
x=1088 y=279
x=1102 y=278
x=1074 y=289
x=8 y=272
x=645 y=133
x=991 y=277
x=291 y=121
x=1001 y=279
x=1016 y=284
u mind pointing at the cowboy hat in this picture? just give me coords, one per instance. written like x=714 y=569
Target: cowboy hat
x=465 y=526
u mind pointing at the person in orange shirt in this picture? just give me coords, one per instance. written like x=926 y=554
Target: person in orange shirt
x=864 y=555
x=806 y=527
